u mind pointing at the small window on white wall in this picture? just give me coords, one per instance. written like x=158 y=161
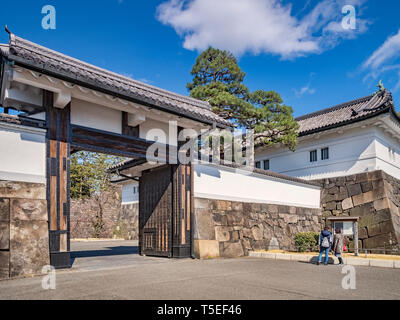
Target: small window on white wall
x=313 y=156
x=324 y=153
x=266 y=164
x=258 y=165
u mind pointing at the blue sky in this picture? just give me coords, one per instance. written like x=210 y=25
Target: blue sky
x=294 y=47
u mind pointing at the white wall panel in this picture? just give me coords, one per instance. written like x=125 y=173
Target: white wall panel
x=95 y=116
x=224 y=183
x=22 y=154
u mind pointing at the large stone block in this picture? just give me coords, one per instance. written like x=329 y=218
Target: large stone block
x=222 y=233
x=4 y=264
x=28 y=209
x=4 y=235
x=368 y=197
x=382 y=215
x=375 y=175
x=347 y=204
x=206 y=249
x=204 y=225
x=220 y=219
x=381 y=204
x=22 y=190
x=260 y=244
x=333 y=190
x=341 y=196
x=201 y=203
x=374 y=230
x=4 y=210
x=29 y=247
x=354 y=189
x=330 y=205
x=365 y=209
x=366 y=186
x=258 y=232
x=379 y=241
x=232 y=250
x=386 y=227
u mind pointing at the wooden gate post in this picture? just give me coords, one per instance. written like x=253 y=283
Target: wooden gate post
x=182 y=181
x=58 y=180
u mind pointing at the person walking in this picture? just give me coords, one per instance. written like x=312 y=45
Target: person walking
x=324 y=245
x=338 y=244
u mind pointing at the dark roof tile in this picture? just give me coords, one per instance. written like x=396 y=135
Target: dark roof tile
x=346 y=112
x=34 y=55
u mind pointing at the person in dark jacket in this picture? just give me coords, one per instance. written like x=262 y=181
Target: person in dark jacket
x=324 y=245
x=337 y=245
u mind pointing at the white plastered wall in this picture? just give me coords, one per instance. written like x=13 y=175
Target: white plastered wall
x=130 y=192
x=387 y=154
x=22 y=153
x=225 y=183
x=95 y=116
x=350 y=152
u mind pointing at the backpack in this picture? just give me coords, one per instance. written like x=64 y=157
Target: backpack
x=325 y=242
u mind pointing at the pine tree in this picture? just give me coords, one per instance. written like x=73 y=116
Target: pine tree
x=218 y=79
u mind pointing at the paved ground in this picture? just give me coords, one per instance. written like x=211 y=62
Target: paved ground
x=123 y=276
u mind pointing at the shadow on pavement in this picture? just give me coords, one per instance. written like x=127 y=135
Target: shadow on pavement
x=110 y=251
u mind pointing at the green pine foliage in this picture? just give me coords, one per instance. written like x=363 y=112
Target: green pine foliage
x=218 y=79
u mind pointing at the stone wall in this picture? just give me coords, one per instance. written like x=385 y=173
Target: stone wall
x=128 y=222
x=232 y=229
x=371 y=196
x=392 y=186
x=117 y=220
x=24 y=244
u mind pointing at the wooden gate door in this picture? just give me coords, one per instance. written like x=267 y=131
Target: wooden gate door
x=155 y=212
x=165 y=211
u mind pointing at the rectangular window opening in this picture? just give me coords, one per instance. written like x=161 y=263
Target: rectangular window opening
x=313 y=156
x=325 y=154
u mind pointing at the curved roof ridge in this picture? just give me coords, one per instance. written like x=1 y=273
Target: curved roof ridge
x=31 y=46
x=336 y=107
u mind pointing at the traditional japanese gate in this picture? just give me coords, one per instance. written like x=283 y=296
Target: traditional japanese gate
x=165 y=192
x=92 y=109
x=165 y=208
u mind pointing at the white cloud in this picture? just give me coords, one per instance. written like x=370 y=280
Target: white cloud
x=388 y=51
x=385 y=60
x=305 y=90
x=258 y=26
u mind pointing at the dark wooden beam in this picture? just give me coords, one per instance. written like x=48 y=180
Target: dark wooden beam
x=95 y=140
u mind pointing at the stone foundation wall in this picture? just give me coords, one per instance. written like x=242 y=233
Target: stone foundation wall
x=24 y=244
x=372 y=196
x=128 y=222
x=120 y=221
x=232 y=229
x=392 y=186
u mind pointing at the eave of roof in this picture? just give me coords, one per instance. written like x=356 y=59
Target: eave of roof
x=346 y=113
x=41 y=59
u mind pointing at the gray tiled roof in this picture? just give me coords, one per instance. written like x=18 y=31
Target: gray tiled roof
x=345 y=113
x=32 y=55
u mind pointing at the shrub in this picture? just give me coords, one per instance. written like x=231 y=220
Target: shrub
x=305 y=241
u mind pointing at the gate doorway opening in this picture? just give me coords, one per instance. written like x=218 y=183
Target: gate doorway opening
x=99 y=220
